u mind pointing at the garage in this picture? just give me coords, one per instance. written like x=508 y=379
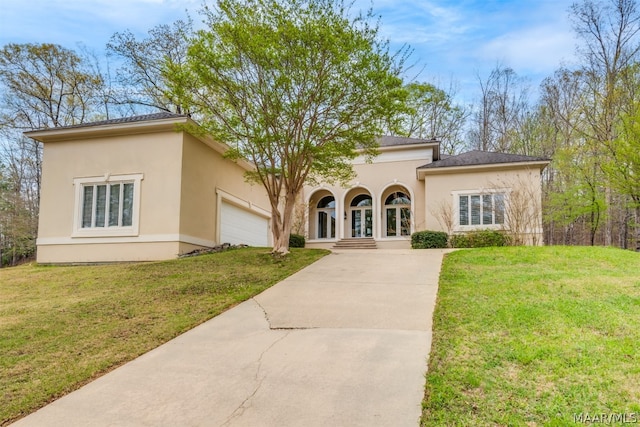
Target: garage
x=238 y=225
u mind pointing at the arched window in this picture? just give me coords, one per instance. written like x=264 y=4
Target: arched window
x=361 y=200
x=326 y=218
x=398 y=198
x=327 y=202
x=397 y=214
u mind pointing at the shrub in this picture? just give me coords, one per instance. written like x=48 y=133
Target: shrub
x=490 y=238
x=460 y=241
x=480 y=239
x=428 y=239
x=296 y=241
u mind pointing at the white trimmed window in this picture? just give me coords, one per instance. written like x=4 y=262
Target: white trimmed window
x=397 y=208
x=484 y=209
x=107 y=206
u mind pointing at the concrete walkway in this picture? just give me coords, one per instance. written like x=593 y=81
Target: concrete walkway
x=343 y=342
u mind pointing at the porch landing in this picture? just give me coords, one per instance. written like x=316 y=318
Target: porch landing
x=356 y=243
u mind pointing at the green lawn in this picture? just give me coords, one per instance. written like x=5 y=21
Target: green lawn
x=60 y=327
x=545 y=336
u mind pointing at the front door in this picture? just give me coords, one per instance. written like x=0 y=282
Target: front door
x=361 y=222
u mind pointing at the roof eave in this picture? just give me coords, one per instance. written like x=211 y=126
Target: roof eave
x=111 y=129
x=538 y=164
x=388 y=148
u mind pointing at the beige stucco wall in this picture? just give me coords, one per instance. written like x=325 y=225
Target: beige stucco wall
x=521 y=184
x=378 y=179
x=154 y=155
x=107 y=252
x=64 y=161
x=206 y=178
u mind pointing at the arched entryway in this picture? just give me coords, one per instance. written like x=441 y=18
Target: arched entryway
x=359 y=214
x=396 y=212
x=322 y=215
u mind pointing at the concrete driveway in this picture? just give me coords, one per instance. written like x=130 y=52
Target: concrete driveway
x=343 y=342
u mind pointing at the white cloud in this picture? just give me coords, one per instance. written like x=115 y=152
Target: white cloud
x=536 y=49
x=418 y=22
x=91 y=22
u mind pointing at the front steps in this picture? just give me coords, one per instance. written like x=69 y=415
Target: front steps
x=356 y=243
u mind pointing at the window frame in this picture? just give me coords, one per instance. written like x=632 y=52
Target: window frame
x=480 y=194
x=109 y=231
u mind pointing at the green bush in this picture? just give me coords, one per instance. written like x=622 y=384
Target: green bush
x=460 y=241
x=296 y=241
x=428 y=239
x=480 y=239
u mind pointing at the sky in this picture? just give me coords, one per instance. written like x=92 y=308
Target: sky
x=453 y=41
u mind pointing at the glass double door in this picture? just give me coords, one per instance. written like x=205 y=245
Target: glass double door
x=398 y=221
x=361 y=222
x=326 y=223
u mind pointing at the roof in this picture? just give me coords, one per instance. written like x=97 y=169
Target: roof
x=166 y=120
x=122 y=126
x=142 y=118
x=401 y=143
x=393 y=141
x=477 y=158
x=383 y=141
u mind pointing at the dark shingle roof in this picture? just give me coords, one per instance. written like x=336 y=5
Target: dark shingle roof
x=392 y=141
x=476 y=157
x=143 y=118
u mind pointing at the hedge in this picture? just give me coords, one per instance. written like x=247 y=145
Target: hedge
x=296 y=241
x=479 y=239
x=428 y=239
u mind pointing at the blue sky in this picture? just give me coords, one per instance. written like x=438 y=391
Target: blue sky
x=453 y=40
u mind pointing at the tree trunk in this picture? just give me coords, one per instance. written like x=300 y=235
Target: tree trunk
x=608 y=225
x=625 y=229
x=281 y=225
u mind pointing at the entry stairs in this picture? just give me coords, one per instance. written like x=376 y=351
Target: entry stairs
x=356 y=243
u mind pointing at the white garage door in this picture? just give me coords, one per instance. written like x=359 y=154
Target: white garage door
x=238 y=225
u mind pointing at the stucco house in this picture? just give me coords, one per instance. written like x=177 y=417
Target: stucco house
x=411 y=187
x=136 y=189
x=139 y=188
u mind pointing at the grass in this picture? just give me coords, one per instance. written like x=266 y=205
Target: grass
x=61 y=327
x=545 y=336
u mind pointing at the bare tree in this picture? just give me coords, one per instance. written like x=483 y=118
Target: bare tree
x=445 y=215
x=431 y=113
x=141 y=77
x=571 y=184
x=501 y=110
x=522 y=209
x=609 y=32
x=41 y=86
x=45 y=86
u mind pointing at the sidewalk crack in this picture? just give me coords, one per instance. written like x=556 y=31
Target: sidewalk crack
x=246 y=403
x=266 y=316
